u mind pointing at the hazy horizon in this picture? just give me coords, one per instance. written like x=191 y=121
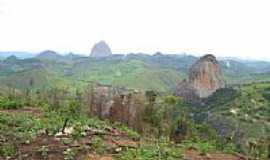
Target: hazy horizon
x=28 y=54
x=223 y=28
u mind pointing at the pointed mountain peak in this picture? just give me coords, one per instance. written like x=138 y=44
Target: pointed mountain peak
x=101 y=49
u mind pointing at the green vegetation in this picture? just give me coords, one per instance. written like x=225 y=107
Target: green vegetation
x=242 y=115
x=10 y=103
x=160 y=72
x=131 y=74
x=8 y=150
x=97 y=145
x=19 y=130
x=69 y=154
x=45 y=106
x=159 y=150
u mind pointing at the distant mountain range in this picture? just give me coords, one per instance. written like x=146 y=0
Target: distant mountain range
x=143 y=71
x=21 y=55
x=50 y=69
x=24 y=55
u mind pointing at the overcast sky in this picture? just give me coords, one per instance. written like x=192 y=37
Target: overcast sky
x=221 y=27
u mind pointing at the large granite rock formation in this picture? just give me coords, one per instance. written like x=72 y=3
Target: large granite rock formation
x=205 y=78
x=101 y=50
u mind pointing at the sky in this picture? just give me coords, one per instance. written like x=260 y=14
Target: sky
x=225 y=28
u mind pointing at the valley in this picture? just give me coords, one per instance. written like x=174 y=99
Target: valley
x=134 y=106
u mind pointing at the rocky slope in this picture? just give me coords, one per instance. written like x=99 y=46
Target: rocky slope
x=204 y=79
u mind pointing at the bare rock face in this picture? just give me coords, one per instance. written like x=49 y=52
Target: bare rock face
x=115 y=104
x=205 y=78
x=101 y=50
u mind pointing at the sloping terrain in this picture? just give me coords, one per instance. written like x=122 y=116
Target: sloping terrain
x=158 y=72
x=241 y=114
x=67 y=95
x=31 y=133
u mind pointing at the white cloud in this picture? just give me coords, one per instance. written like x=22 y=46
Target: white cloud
x=222 y=27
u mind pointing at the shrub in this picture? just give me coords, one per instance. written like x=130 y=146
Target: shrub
x=10 y=103
x=69 y=154
x=97 y=144
x=127 y=130
x=8 y=150
x=77 y=133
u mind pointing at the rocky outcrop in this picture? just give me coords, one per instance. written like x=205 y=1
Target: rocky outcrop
x=205 y=78
x=115 y=104
x=101 y=50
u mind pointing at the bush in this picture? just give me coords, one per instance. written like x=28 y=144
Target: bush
x=8 y=150
x=10 y=103
x=97 y=144
x=203 y=147
x=127 y=130
x=69 y=154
